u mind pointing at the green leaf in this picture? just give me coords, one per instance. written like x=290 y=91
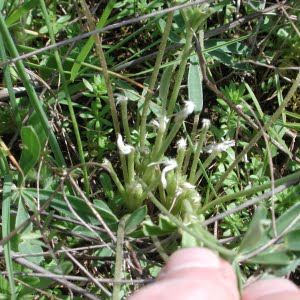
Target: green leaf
x=22 y=216
x=37 y=127
x=105 y=210
x=107 y=185
x=135 y=219
x=256 y=103
x=31 y=247
x=20 y=12
x=271 y=258
x=4 y=289
x=82 y=230
x=4 y=168
x=165 y=84
x=88 y=85
x=6 y=202
x=89 y=44
x=78 y=205
x=60 y=267
x=291 y=267
x=292 y=240
x=31 y=149
x=188 y=240
x=286 y=218
x=195 y=84
x=164 y=227
x=256 y=231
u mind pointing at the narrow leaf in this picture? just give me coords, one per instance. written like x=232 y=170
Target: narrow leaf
x=271 y=258
x=31 y=149
x=293 y=240
x=256 y=231
x=287 y=217
x=5 y=231
x=135 y=219
x=165 y=84
x=195 y=84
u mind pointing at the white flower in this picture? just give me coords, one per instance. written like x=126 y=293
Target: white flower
x=124 y=148
x=189 y=107
x=170 y=165
x=219 y=147
x=162 y=123
x=196 y=198
x=155 y=123
x=188 y=186
x=205 y=123
x=120 y=98
x=181 y=144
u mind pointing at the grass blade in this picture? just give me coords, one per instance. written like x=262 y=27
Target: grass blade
x=5 y=231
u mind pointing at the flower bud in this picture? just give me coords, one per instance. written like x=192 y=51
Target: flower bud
x=134 y=195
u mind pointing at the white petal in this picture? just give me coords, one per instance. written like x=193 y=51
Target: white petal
x=170 y=165
x=123 y=148
x=219 y=147
x=206 y=123
x=189 y=107
x=181 y=144
x=188 y=186
x=120 y=98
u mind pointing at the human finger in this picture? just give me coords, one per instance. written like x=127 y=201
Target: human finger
x=190 y=274
x=272 y=289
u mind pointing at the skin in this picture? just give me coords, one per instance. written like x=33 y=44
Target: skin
x=198 y=273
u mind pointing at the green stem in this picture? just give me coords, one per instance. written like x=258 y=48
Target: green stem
x=153 y=78
x=271 y=121
x=180 y=159
x=160 y=135
x=31 y=93
x=68 y=97
x=168 y=140
x=206 y=163
x=201 y=140
x=191 y=141
x=119 y=258
x=131 y=158
x=109 y=168
x=181 y=71
x=124 y=116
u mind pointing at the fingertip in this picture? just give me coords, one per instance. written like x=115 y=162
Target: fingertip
x=266 y=289
x=193 y=274
x=191 y=258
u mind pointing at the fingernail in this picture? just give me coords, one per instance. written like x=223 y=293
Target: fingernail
x=191 y=258
x=268 y=287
